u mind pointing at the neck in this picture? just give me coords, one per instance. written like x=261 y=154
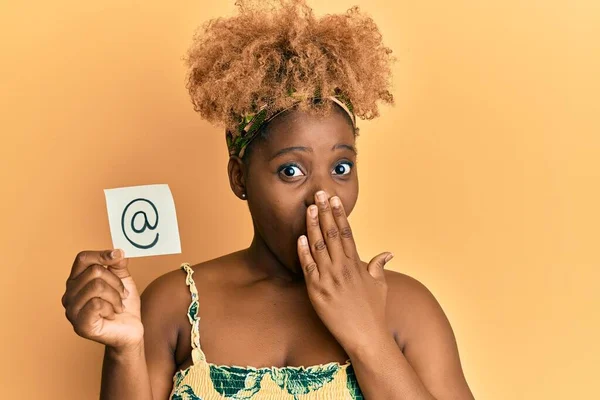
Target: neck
x=265 y=263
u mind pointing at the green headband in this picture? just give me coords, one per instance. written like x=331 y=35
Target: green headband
x=250 y=124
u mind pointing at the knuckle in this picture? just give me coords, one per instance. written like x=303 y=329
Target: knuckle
x=97 y=284
x=68 y=314
x=323 y=292
x=66 y=299
x=96 y=304
x=346 y=272
x=338 y=212
x=320 y=245
x=310 y=268
x=81 y=257
x=346 y=232
x=335 y=279
x=97 y=270
x=332 y=233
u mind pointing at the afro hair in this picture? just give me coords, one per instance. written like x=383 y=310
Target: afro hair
x=275 y=48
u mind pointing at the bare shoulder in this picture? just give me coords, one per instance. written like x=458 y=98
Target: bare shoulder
x=162 y=302
x=168 y=294
x=165 y=286
x=406 y=288
x=412 y=307
x=172 y=285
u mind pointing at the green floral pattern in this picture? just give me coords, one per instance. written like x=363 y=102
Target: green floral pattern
x=235 y=382
x=352 y=384
x=302 y=381
x=185 y=392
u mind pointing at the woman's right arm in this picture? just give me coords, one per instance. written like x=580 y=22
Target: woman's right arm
x=103 y=304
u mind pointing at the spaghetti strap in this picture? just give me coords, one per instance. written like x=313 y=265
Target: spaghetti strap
x=192 y=313
x=204 y=380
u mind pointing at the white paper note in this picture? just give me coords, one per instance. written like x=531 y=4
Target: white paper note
x=142 y=220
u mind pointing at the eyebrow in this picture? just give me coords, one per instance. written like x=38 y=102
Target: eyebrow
x=345 y=146
x=290 y=149
x=310 y=150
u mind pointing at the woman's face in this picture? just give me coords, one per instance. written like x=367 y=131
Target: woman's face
x=301 y=155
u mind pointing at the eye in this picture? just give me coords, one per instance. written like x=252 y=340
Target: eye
x=343 y=168
x=291 y=171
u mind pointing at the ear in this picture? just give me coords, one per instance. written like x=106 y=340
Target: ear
x=237 y=175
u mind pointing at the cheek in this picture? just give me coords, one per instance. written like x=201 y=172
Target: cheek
x=279 y=225
x=277 y=219
x=349 y=198
x=290 y=218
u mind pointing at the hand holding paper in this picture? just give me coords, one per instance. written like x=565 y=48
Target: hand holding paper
x=101 y=299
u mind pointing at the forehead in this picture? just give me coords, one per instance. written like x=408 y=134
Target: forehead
x=298 y=128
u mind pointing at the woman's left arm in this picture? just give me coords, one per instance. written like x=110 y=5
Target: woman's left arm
x=429 y=365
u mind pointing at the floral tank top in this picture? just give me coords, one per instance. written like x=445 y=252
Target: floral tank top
x=207 y=381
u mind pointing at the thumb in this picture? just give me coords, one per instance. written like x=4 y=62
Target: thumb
x=377 y=264
x=118 y=263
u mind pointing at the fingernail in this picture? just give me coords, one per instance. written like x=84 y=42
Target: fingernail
x=321 y=195
x=389 y=257
x=303 y=240
x=313 y=211
x=335 y=201
x=115 y=254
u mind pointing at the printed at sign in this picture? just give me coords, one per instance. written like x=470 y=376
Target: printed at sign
x=142 y=220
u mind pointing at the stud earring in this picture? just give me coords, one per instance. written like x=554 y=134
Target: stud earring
x=243 y=195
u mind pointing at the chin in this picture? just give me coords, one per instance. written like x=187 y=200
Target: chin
x=291 y=259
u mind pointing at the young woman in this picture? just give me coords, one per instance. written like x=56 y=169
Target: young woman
x=297 y=314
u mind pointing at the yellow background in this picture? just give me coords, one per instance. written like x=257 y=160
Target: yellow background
x=483 y=179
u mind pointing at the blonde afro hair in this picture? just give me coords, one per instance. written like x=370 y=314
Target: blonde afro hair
x=275 y=48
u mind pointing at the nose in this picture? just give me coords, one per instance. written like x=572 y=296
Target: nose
x=325 y=184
